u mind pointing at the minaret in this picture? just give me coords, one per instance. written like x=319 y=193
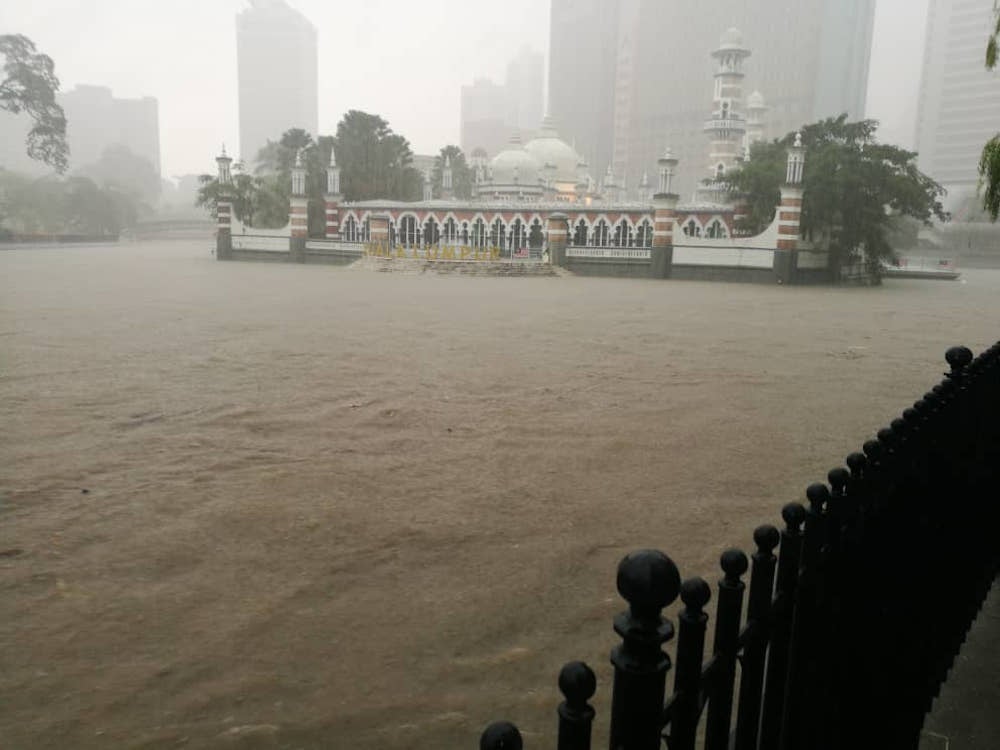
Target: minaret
x=224 y=207
x=790 y=214
x=298 y=211
x=332 y=198
x=756 y=110
x=727 y=126
x=428 y=187
x=447 y=190
x=664 y=217
x=644 y=194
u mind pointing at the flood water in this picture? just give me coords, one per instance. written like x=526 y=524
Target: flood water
x=270 y=505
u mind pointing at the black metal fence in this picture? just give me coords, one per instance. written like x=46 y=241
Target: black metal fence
x=854 y=611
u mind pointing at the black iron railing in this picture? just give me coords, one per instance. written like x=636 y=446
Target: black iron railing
x=850 y=629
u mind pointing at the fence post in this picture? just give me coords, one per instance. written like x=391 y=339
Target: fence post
x=501 y=735
x=578 y=684
x=727 y=644
x=798 y=724
x=692 y=622
x=782 y=609
x=758 y=632
x=648 y=580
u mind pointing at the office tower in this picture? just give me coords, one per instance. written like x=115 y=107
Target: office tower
x=276 y=54
x=959 y=101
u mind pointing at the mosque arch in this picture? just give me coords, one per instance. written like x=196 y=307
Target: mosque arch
x=716 y=229
x=581 y=233
x=349 y=229
x=692 y=228
x=624 y=233
x=644 y=234
x=409 y=230
x=601 y=233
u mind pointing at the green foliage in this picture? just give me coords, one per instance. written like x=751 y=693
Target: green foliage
x=374 y=161
x=29 y=85
x=991 y=44
x=76 y=205
x=461 y=173
x=854 y=187
x=989 y=162
x=989 y=172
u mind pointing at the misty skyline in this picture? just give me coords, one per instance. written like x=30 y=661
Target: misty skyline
x=402 y=60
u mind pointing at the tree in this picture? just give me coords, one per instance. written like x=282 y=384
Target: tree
x=856 y=188
x=118 y=167
x=374 y=161
x=244 y=194
x=989 y=162
x=461 y=173
x=29 y=85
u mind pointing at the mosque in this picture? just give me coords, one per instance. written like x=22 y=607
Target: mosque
x=518 y=191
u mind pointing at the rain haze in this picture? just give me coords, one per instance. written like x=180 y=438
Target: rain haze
x=358 y=361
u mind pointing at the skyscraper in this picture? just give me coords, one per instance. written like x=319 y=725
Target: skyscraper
x=583 y=52
x=95 y=121
x=809 y=60
x=959 y=103
x=526 y=90
x=276 y=54
x=483 y=118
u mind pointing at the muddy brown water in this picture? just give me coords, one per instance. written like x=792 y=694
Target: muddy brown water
x=258 y=505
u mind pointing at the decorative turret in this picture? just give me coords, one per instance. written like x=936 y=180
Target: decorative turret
x=298 y=209
x=428 y=187
x=644 y=194
x=332 y=198
x=224 y=206
x=668 y=166
x=333 y=175
x=225 y=162
x=609 y=188
x=447 y=189
x=298 y=175
x=790 y=213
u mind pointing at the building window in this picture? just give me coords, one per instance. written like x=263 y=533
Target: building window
x=408 y=234
x=432 y=233
x=716 y=230
x=601 y=234
x=450 y=231
x=479 y=233
x=644 y=234
x=580 y=234
x=623 y=234
x=350 y=229
x=692 y=228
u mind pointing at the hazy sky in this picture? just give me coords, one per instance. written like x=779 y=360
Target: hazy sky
x=403 y=59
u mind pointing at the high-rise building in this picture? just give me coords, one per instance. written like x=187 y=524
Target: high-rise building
x=526 y=90
x=810 y=60
x=583 y=56
x=276 y=53
x=959 y=102
x=484 y=119
x=95 y=120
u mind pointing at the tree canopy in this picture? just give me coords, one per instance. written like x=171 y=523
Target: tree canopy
x=461 y=173
x=29 y=85
x=120 y=168
x=855 y=187
x=55 y=205
x=989 y=162
x=375 y=162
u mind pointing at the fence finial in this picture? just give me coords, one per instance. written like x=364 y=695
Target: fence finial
x=577 y=683
x=501 y=735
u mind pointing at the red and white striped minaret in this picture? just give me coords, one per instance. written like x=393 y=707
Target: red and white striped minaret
x=224 y=207
x=790 y=210
x=332 y=198
x=727 y=126
x=664 y=217
x=298 y=206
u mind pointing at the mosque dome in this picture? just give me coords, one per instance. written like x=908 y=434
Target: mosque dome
x=756 y=101
x=732 y=37
x=548 y=148
x=515 y=165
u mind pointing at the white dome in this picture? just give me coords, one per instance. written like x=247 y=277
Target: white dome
x=756 y=101
x=549 y=148
x=732 y=37
x=515 y=166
